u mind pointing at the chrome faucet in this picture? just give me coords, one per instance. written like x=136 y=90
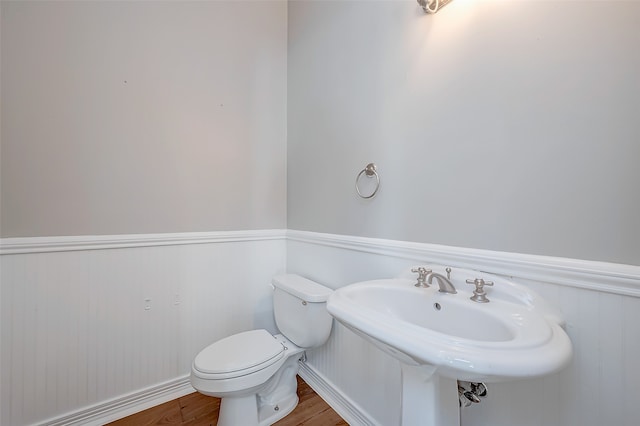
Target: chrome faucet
x=422 y=276
x=443 y=282
x=479 y=295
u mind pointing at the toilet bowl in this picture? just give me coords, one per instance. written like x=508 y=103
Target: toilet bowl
x=254 y=372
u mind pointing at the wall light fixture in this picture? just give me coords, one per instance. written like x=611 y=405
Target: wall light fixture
x=432 y=6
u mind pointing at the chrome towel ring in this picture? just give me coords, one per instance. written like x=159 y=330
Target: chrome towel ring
x=369 y=171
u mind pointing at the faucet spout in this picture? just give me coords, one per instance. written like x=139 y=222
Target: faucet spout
x=446 y=286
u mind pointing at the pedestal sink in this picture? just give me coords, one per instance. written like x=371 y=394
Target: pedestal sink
x=441 y=337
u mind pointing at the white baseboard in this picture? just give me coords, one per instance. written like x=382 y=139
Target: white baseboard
x=135 y=402
x=124 y=406
x=351 y=412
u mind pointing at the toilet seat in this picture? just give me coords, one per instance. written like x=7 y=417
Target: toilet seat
x=238 y=355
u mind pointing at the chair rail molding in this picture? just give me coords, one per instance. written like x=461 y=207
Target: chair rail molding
x=586 y=274
x=22 y=245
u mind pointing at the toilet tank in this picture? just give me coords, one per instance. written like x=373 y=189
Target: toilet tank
x=300 y=309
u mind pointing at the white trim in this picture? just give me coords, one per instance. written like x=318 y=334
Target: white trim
x=135 y=402
x=124 y=406
x=100 y=242
x=592 y=275
x=341 y=404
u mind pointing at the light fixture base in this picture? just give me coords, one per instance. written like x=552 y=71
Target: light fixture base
x=432 y=6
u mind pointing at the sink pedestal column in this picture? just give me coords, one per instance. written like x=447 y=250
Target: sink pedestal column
x=427 y=398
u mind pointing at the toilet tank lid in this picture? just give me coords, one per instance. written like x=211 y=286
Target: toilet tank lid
x=302 y=288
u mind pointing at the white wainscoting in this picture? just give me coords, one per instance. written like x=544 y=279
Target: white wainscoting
x=600 y=301
x=79 y=345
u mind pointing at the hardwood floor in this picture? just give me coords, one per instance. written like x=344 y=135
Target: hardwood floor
x=199 y=410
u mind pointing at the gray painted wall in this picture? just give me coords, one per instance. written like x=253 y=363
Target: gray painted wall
x=501 y=125
x=143 y=117
x=510 y=126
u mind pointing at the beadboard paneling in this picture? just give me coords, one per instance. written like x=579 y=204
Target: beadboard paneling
x=599 y=300
x=367 y=377
x=76 y=331
x=76 y=337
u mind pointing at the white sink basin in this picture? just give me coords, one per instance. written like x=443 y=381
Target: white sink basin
x=515 y=335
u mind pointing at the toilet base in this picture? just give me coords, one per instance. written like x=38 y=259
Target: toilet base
x=274 y=400
x=238 y=411
x=268 y=414
x=244 y=410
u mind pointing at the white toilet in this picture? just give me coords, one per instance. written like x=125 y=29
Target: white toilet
x=255 y=372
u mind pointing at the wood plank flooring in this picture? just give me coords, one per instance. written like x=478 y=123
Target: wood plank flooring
x=199 y=410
